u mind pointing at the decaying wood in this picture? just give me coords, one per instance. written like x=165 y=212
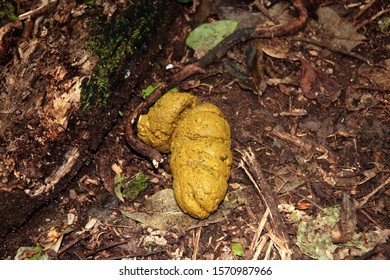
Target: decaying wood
x=254 y=171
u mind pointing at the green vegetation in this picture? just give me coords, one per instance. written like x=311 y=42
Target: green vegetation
x=7 y=11
x=149 y=90
x=127 y=33
x=237 y=249
x=130 y=189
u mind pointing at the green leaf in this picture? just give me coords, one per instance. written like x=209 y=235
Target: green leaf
x=208 y=35
x=37 y=250
x=118 y=181
x=175 y=89
x=184 y=1
x=149 y=90
x=237 y=249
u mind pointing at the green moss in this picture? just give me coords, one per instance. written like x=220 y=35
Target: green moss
x=7 y=12
x=129 y=189
x=125 y=36
x=135 y=186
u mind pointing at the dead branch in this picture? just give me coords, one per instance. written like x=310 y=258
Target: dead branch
x=253 y=169
x=242 y=35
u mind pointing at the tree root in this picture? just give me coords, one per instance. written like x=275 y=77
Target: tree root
x=145 y=150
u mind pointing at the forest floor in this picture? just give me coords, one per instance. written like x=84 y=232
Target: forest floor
x=320 y=132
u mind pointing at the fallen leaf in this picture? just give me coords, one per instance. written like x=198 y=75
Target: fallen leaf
x=161 y=211
x=206 y=36
x=338 y=32
x=356 y=101
x=343 y=231
x=379 y=75
x=316 y=85
x=237 y=249
x=314 y=236
x=246 y=66
x=286 y=180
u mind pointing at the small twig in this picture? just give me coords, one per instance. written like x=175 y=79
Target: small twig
x=363 y=10
x=264 y=10
x=331 y=48
x=9 y=27
x=71 y=243
x=108 y=246
x=256 y=237
x=367 y=87
x=37 y=12
x=371 y=219
x=137 y=255
x=364 y=22
x=196 y=242
x=303 y=144
x=263 y=240
x=365 y=199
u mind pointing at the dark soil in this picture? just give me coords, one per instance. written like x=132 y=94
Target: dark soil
x=354 y=130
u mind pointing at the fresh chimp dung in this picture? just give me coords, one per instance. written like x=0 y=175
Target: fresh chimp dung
x=198 y=138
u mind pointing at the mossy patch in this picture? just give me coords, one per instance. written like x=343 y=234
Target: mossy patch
x=116 y=43
x=7 y=12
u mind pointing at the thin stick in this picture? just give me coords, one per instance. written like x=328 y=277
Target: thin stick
x=364 y=22
x=331 y=48
x=363 y=10
x=264 y=10
x=259 y=230
x=365 y=199
x=196 y=242
x=37 y=12
x=260 y=246
x=71 y=243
